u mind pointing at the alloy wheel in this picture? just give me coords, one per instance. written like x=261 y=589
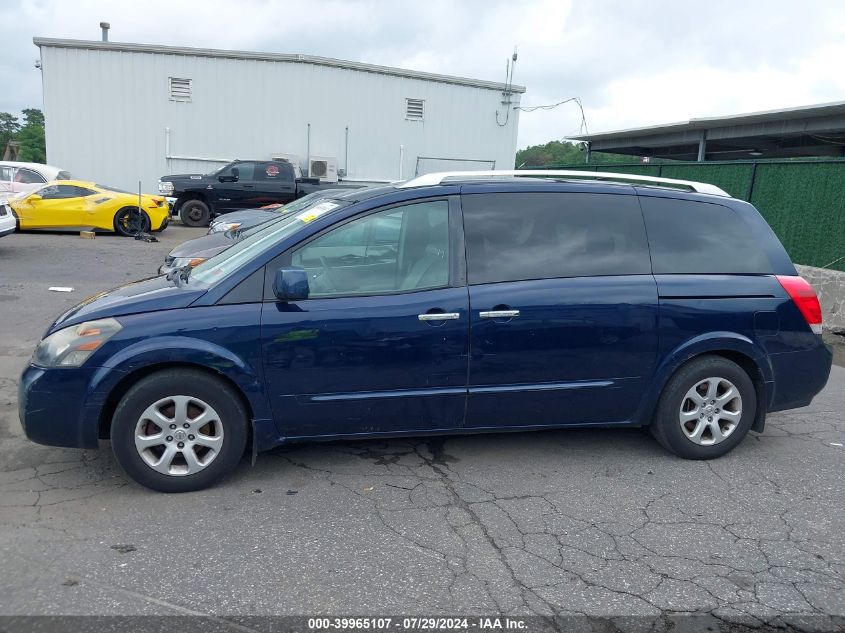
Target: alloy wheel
x=710 y=411
x=179 y=435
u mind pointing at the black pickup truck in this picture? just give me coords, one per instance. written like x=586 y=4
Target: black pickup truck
x=242 y=184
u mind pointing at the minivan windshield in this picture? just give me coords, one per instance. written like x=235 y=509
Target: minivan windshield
x=254 y=243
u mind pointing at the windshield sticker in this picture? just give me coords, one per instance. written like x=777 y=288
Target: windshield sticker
x=272 y=171
x=316 y=211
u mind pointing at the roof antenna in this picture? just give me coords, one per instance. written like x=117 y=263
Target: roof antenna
x=105 y=26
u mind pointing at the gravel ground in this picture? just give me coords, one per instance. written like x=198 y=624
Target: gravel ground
x=600 y=522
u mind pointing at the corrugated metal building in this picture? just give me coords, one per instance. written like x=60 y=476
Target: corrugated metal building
x=118 y=113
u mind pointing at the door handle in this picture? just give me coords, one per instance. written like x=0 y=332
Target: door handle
x=498 y=314
x=439 y=316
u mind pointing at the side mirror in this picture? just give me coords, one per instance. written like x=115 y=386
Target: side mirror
x=35 y=197
x=291 y=284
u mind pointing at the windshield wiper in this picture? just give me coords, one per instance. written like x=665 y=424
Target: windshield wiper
x=180 y=274
x=185 y=272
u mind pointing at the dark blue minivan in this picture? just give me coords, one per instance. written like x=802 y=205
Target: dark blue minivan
x=450 y=303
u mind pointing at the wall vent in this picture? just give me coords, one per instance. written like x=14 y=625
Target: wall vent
x=180 y=89
x=414 y=109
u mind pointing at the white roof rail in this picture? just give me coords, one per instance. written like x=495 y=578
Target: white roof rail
x=445 y=176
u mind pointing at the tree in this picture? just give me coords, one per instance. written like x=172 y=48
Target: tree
x=9 y=126
x=31 y=137
x=560 y=153
x=33 y=116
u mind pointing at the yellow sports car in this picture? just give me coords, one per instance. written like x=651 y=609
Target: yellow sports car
x=84 y=205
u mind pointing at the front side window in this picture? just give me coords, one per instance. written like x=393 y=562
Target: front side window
x=400 y=249
x=699 y=237
x=246 y=171
x=520 y=236
x=58 y=192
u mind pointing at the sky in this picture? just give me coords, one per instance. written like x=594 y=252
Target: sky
x=630 y=62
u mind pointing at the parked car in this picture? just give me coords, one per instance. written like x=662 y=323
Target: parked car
x=450 y=303
x=7 y=221
x=80 y=205
x=17 y=177
x=252 y=217
x=226 y=231
x=239 y=185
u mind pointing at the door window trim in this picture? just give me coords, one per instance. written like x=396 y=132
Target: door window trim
x=457 y=261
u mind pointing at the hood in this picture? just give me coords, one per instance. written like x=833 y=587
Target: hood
x=205 y=246
x=157 y=293
x=248 y=217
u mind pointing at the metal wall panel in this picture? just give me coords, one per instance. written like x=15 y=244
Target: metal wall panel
x=107 y=111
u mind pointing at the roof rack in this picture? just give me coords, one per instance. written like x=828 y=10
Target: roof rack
x=445 y=176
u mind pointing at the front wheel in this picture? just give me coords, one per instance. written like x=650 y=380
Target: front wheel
x=130 y=221
x=706 y=409
x=179 y=430
x=195 y=213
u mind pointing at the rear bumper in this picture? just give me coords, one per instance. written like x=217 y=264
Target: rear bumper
x=799 y=376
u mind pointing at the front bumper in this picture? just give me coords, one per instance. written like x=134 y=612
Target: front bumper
x=52 y=406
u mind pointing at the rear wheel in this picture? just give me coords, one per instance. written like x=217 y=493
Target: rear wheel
x=195 y=213
x=706 y=409
x=179 y=430
x=130 y=221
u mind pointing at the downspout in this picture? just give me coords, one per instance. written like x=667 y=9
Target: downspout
x=308 y=151
x=401 y=160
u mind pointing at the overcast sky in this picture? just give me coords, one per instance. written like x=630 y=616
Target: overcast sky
x=631 y=62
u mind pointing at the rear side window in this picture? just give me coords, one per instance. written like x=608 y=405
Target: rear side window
x=690 y=237
x=274 y=171
x=29 y=176
x=516 y=236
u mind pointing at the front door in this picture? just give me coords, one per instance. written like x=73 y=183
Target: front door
x=381 y=343
x=563 y=308
x=58 y=206
x=240 y=194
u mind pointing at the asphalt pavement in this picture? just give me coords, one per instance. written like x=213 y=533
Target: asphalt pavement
x=596 y=522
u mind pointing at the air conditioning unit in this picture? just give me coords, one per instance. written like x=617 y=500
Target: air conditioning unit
x=323 y=167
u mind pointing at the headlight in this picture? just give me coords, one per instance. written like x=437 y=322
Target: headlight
x=222 y=227
x=178 y=262
x=73 y=345
x=165 y=187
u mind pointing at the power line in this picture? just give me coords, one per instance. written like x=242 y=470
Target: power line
x=583 y=128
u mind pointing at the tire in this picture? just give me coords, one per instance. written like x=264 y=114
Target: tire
x=158 y=456
x=130 y=221
x=693 y=426
x=195 y=213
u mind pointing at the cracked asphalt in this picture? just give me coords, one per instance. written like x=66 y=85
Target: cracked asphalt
x=598 y=522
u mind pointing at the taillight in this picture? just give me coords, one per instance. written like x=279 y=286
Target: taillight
x=803 y=295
